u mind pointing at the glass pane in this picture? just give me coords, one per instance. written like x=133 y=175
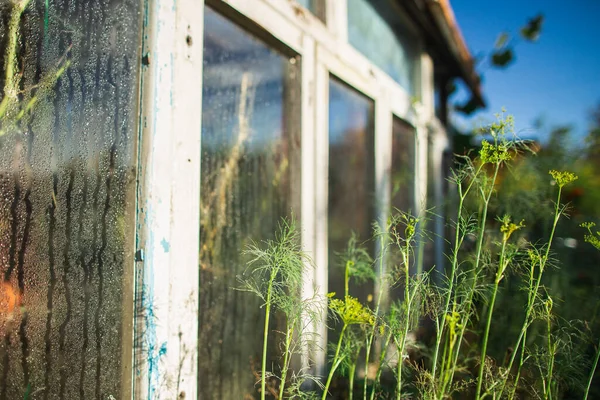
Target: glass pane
x=351 y=174
x=377 y=31
x=403 y=185
x=309 y=4
x=68 y=116
x=248 y=158
x=403 y=166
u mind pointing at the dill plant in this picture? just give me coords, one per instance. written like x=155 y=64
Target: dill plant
x=350 y=312
x=276 y=276
x=465 y=280
x=357 y=264
x=481 y=262
x=405 y=314
x=539 y=260
x=381 y=234
x=507 y=253
x=592 y=238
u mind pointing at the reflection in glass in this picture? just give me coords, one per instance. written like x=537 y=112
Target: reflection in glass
x=403 y=166
x=403 y=185
x=66 y=175
x=351 y=173
x=376 y=30
x=317 y=7
x=248 y=154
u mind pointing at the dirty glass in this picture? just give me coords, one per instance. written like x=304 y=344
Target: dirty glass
x=376 y=29
x=403 y=166
x=67 y=113
x=351 y=175
x=249 y=152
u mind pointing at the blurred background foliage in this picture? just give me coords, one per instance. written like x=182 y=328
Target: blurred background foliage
x=525 y=191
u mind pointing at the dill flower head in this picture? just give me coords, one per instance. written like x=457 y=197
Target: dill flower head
x=562 y=178
x=494 y=153
x=508 y=227
x=591 y=238
x=351 y=311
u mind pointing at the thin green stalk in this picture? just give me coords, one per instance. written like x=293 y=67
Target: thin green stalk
x=286 y=359
x=592 y=372
x=371 y=335
x=351 y=372
x=444 y=366
x=548 y=394
x=453 y=268
x=488 y=323
x=529 y=311
x=335 y=363
x=409 y=300
x=381 y=361
x=369 y=343
x=347 y=278
x=401 y=346
x=399 y=373
x=469 y=302
x=263 y=379
x=513 y=391
x=521 y=349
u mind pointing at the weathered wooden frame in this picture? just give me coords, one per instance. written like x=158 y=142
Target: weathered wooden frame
x=168 y=198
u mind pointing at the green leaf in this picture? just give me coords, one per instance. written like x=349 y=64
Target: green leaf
x=531 y=31
x=502 y=58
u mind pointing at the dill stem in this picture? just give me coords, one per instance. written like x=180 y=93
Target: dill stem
x=351 y=381
x=525 y=326
x=380 y=369
x=286 y=359
x=371 y=336
x=589 y=384
x=454 y=267
x=548 y=394
x=263 y=378
x=334 y=363
x=488 y=324
x=408 y=299
x=471 y=293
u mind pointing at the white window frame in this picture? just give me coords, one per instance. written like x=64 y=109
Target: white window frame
x=168 y=198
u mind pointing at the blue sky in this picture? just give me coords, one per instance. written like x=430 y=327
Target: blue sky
x=556 y=78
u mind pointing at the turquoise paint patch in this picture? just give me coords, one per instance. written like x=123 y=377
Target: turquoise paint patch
x=165 y=245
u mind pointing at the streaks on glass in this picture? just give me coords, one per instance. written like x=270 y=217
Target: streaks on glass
x=247 y=152
x=66 y=165
x=351 y=172
x=403 y=166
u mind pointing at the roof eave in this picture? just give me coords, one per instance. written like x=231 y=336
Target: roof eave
x=441 y=10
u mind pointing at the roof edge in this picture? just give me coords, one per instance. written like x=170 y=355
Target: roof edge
x=446 y=22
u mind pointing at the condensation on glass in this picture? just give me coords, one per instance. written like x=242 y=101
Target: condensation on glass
x=403 y=166
x=67 y=146
x=351 y=195
x=249 y=177
x=377 y=30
